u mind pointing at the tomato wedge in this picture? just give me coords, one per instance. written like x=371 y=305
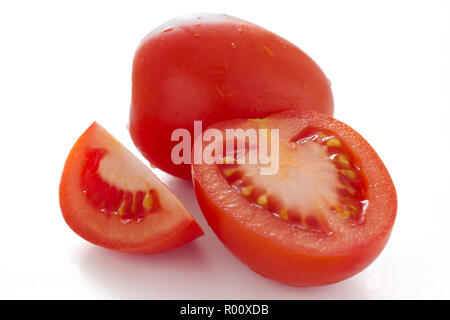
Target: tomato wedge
x=325 y=214
x=108 y=197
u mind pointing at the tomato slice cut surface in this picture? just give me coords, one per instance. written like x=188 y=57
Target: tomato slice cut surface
x=111 y=199
x=322 y=171
x=323 y=216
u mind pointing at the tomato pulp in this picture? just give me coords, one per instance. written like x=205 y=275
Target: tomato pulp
x=213 y=67
x=109 y=198
x=325 y=214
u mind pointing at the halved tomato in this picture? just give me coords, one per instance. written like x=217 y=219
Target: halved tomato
x=110 y=198
x=323 y=216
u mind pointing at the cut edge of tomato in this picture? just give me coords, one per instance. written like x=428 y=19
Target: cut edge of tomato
x=183 y=231
x=301 y=264
x=377 y=176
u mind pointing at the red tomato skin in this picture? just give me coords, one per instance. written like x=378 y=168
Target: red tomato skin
x=278 y=263
x=72 y=203
x=213 y=67
x=295 y=266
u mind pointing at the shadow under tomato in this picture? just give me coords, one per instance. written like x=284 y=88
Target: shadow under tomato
x=202 y=269
x=198 y=270
x=130 y=276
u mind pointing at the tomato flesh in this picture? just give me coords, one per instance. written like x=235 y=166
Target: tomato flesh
x=111 y=199
x=332 y=182
x=322 y=217
x=213 y=67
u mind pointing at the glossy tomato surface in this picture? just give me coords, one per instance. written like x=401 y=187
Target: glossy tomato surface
x=325 y=214
x=213 y=67
x=110 y=198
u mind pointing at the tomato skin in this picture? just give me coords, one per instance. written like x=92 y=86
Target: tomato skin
x=278 y=263
x=97 y=228
x=235 y=224
x=212 y=68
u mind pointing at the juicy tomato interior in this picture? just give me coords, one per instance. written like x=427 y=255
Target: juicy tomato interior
x=129 y=205
x=330 y=182
x=110 y=198
x=323 y=216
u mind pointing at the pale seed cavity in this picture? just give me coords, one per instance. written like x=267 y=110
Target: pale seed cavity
x=348 y=207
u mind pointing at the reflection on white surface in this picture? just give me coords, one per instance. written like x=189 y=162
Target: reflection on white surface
x=202 y=269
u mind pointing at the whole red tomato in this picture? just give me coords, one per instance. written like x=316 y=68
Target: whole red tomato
x=213 y=67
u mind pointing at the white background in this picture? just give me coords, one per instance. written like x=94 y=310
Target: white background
x=65 y=64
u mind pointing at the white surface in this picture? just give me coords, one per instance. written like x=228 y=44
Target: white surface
x=63 y=65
